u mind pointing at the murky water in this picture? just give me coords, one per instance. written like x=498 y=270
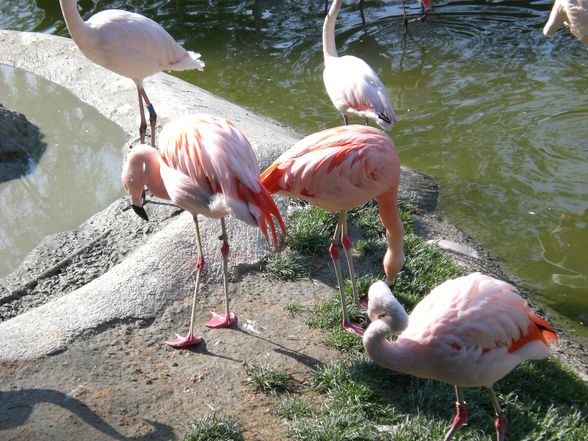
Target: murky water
x=487 y=105
x=78 y=175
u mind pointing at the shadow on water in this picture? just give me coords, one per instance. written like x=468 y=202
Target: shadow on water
x=16 y=408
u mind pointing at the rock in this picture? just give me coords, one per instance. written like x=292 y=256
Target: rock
x=21 y=145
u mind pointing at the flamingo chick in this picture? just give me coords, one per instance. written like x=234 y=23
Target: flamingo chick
x=352 y=85
x=571 y=13
x=130 y=45
x=206 y=166
x=338 y=169
x=469 y=332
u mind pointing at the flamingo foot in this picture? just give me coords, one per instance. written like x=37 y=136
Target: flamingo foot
x=354 y=328
x=184 y=342
x=221 y=320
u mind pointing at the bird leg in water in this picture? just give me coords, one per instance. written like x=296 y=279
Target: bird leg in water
x=152 y=117
x=461 y=414
x=501 y=422
x=334 y=253
x=227 y=319
x=191 y=339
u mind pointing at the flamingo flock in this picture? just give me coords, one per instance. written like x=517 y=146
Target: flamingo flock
x=468 y=332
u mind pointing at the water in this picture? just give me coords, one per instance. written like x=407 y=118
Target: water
x=488 y=106
x=78 y=175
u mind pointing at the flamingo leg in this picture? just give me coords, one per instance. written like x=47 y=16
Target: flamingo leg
x=152 y=116
x=346 y=120
x=501 y=421
x=227 y=319
x=334 y=253
x=143 y=126
x=346 y=244
x=461 y=414
x=191 y=339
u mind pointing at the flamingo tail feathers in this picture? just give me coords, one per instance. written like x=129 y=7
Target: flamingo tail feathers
x=539 y=330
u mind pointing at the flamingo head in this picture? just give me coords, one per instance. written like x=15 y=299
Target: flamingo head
x=381 y=302
x=133 y=181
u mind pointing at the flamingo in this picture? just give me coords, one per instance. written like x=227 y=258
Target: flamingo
x=206 y=166
x=573 y=14
x=469 y=332
x=352 y=85
x=338 y=169
x=130 y=45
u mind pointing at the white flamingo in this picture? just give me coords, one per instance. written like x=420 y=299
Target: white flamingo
x=571 y=13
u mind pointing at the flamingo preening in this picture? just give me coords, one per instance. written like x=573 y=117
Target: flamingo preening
x=338 y=169
x=130 y=45
x=469 y=332
x=206 y=166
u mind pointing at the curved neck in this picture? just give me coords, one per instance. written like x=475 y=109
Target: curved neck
x=388 y=354
x=143 y=168
x=329 y=48
x=73 y=20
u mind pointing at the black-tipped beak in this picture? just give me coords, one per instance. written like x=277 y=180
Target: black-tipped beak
x=140 y=211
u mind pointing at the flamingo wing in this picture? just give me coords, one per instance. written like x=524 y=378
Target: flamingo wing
x=218 y=158
x=355 y=88
x=478 y=311
x=336 y=169
x=135 y=46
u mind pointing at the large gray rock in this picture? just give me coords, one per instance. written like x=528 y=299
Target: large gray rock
x=21 y=145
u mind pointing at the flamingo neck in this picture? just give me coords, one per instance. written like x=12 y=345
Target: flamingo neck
x=395 y=355
x=144 y=167
x=73 y=20
x=329 y=48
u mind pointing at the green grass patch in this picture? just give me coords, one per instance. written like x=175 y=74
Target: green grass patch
x=294 y=407
x=215 y=427
x=267 y=380
x=310 y=229
x=286 y=266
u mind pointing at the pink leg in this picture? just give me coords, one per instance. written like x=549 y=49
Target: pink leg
x=461 y=414
x=346 y=244
x=501 y=422
x=152 y=116
x=227 y=319
x=143 y=126
x=191 y=339
x=334 y=253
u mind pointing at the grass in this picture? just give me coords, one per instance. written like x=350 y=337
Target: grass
x=215 y=427
x=286 y=266
x=293 y=308
x=355 y=399
x=309 y=230
x=267 y=380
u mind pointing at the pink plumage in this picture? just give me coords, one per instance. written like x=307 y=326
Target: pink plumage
x=130 y=45
x=338 y=169
x=206 y=166
x=469 y=332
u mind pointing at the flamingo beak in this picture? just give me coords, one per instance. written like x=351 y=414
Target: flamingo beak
x=140 y=211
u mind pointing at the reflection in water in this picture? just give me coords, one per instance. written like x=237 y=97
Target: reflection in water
x=78 y=175
x=487 y=105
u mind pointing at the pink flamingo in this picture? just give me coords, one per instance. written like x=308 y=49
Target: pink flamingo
x=352 y=85
x=206 y=166
x=469 y=332
x=130 y=45
x=573 y=14
x=338 y=169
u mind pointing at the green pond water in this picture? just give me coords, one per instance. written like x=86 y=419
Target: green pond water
x=497 y=113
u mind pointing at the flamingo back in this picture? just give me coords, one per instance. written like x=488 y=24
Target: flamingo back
x=336 y=169
x=482 y=312
x=217 y=159
x=134 y=46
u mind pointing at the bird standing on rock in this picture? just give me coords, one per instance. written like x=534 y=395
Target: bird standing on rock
x=338 y=169
x=469 y=332
x=206 y=166
x=130 y=45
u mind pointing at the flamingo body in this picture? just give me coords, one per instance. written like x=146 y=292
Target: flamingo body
x=469 y=332
x=338 y=169
x=571 y=13
x=130 y=45
x=206 y=166
x=352 y=85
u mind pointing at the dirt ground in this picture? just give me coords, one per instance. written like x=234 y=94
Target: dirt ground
x=123 y=382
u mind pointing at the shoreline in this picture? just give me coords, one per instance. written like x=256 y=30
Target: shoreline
x=58 y=60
